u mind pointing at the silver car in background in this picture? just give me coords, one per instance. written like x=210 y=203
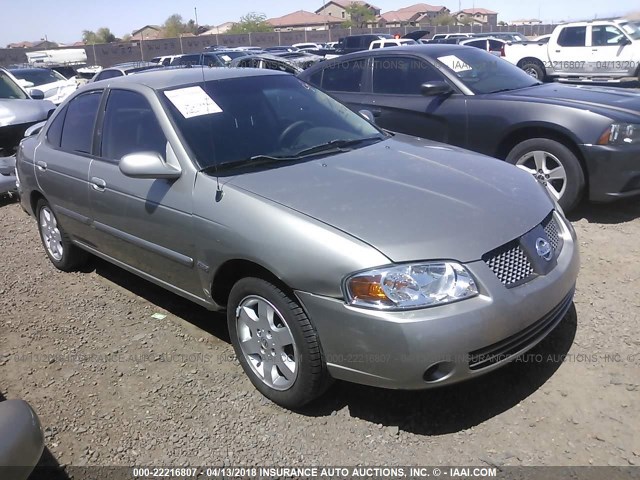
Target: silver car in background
x=337 y=250
x=21 y=440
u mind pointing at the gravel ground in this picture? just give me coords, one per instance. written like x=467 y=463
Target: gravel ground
x=115 y=386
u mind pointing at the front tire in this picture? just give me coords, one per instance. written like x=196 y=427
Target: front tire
x=276 y=343
x=61 y=251
x=554 y=166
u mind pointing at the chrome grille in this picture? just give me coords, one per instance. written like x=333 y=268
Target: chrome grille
x=510 y=264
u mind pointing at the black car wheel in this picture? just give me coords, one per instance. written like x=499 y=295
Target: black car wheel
x=534 y=68
x=553 y=165
x=61 y=251
x=276 y=343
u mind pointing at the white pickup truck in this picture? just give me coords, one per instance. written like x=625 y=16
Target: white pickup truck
x=596 y=51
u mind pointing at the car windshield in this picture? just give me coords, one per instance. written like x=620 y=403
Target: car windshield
x=483 y=72
x=632 y=29
x=278 y=116
x=9 y=89
x=38 y=77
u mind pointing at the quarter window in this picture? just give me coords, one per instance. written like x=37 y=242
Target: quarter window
x=130 y=126
x=344 y=76
x=402 y=75
x=54 y=133
x=77 y=132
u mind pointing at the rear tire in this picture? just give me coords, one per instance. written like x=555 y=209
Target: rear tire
x=554 y=165
x=276 y=343
x=61 y=251
x=534 y=68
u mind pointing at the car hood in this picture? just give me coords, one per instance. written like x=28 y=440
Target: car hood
x=582 y=97
x=409 y=198
x=16 y=112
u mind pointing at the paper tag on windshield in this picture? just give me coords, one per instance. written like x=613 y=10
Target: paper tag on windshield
x=454 y=63
x=192 y=102
x=226 y=58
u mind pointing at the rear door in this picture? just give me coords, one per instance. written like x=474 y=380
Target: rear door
x=400 y=106
x=571 y=55
x=62 y=163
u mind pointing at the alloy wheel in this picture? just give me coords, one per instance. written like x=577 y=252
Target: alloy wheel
x=51 y=233
x=546 y=169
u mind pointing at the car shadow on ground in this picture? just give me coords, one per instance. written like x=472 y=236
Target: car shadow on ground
x=7 y=200
x=428 y=412
x=48 y=467
x=211 y=322
x=621 y=211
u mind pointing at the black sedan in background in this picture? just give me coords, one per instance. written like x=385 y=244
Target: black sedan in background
x=572 y=139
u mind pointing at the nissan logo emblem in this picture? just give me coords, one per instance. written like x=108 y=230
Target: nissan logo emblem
x=543 y=248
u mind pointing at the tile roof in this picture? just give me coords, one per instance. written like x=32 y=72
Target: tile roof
x=302 y=17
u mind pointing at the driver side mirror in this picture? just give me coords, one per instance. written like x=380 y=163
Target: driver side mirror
x=148 y=165
x=368 y=115
x=432 y=89
x=624 y=41
x=36 y=94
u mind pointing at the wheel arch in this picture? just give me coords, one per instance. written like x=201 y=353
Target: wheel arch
x=233 y=270
x=526 y=132
x=34 y=197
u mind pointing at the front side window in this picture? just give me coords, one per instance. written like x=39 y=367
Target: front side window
x=606 y=35
x=130 y=126
x=572 y=37
x=402 y=75
x=9 y=88
x=344 y=76
x=77 y=132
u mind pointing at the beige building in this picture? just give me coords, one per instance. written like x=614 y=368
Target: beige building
x=477 y=16
x=219 y=29
x=412 y=15
x=338 y=9
x=303 y=20
x=148 y=32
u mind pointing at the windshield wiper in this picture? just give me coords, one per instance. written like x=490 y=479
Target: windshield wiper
x=253 y=161
x=336 y=145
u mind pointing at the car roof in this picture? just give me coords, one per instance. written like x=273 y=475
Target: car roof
x=428 y=50
x=167 y=78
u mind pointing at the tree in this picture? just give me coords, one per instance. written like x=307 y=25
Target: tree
x=250 y=23
x=502 y=23
x=359 y=16
x=102 y=35
x=465 y=21
x=444 y=19
x=173 y=26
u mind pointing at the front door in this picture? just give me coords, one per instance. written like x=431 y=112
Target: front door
x=143 y=223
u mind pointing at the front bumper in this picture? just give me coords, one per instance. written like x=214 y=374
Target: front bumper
x=450 y=343
x=21 y=439
x=614 y=171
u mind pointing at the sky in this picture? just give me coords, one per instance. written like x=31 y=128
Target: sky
x=64 y=20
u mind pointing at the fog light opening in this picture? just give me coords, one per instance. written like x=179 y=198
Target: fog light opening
x=438 y=372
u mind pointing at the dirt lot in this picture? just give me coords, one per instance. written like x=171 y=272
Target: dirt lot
x=115 y=386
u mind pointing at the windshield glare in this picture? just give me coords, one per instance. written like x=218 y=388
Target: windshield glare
x=9 y=89
x=483 y=72
x=276 y=116
x=631 y=29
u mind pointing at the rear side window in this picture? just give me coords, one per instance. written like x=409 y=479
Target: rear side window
x=77 y=132
x=344 y=76
x=54 y=133
x=130 y=126
x=572 y=37
x=402 y=75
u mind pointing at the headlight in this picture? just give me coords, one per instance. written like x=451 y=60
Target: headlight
x=621 y=134
x=410 y=286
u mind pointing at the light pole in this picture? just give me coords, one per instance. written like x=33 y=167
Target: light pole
x=195 y=10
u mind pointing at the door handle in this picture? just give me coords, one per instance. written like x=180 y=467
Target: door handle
x=98 y=184
x=42 y=166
